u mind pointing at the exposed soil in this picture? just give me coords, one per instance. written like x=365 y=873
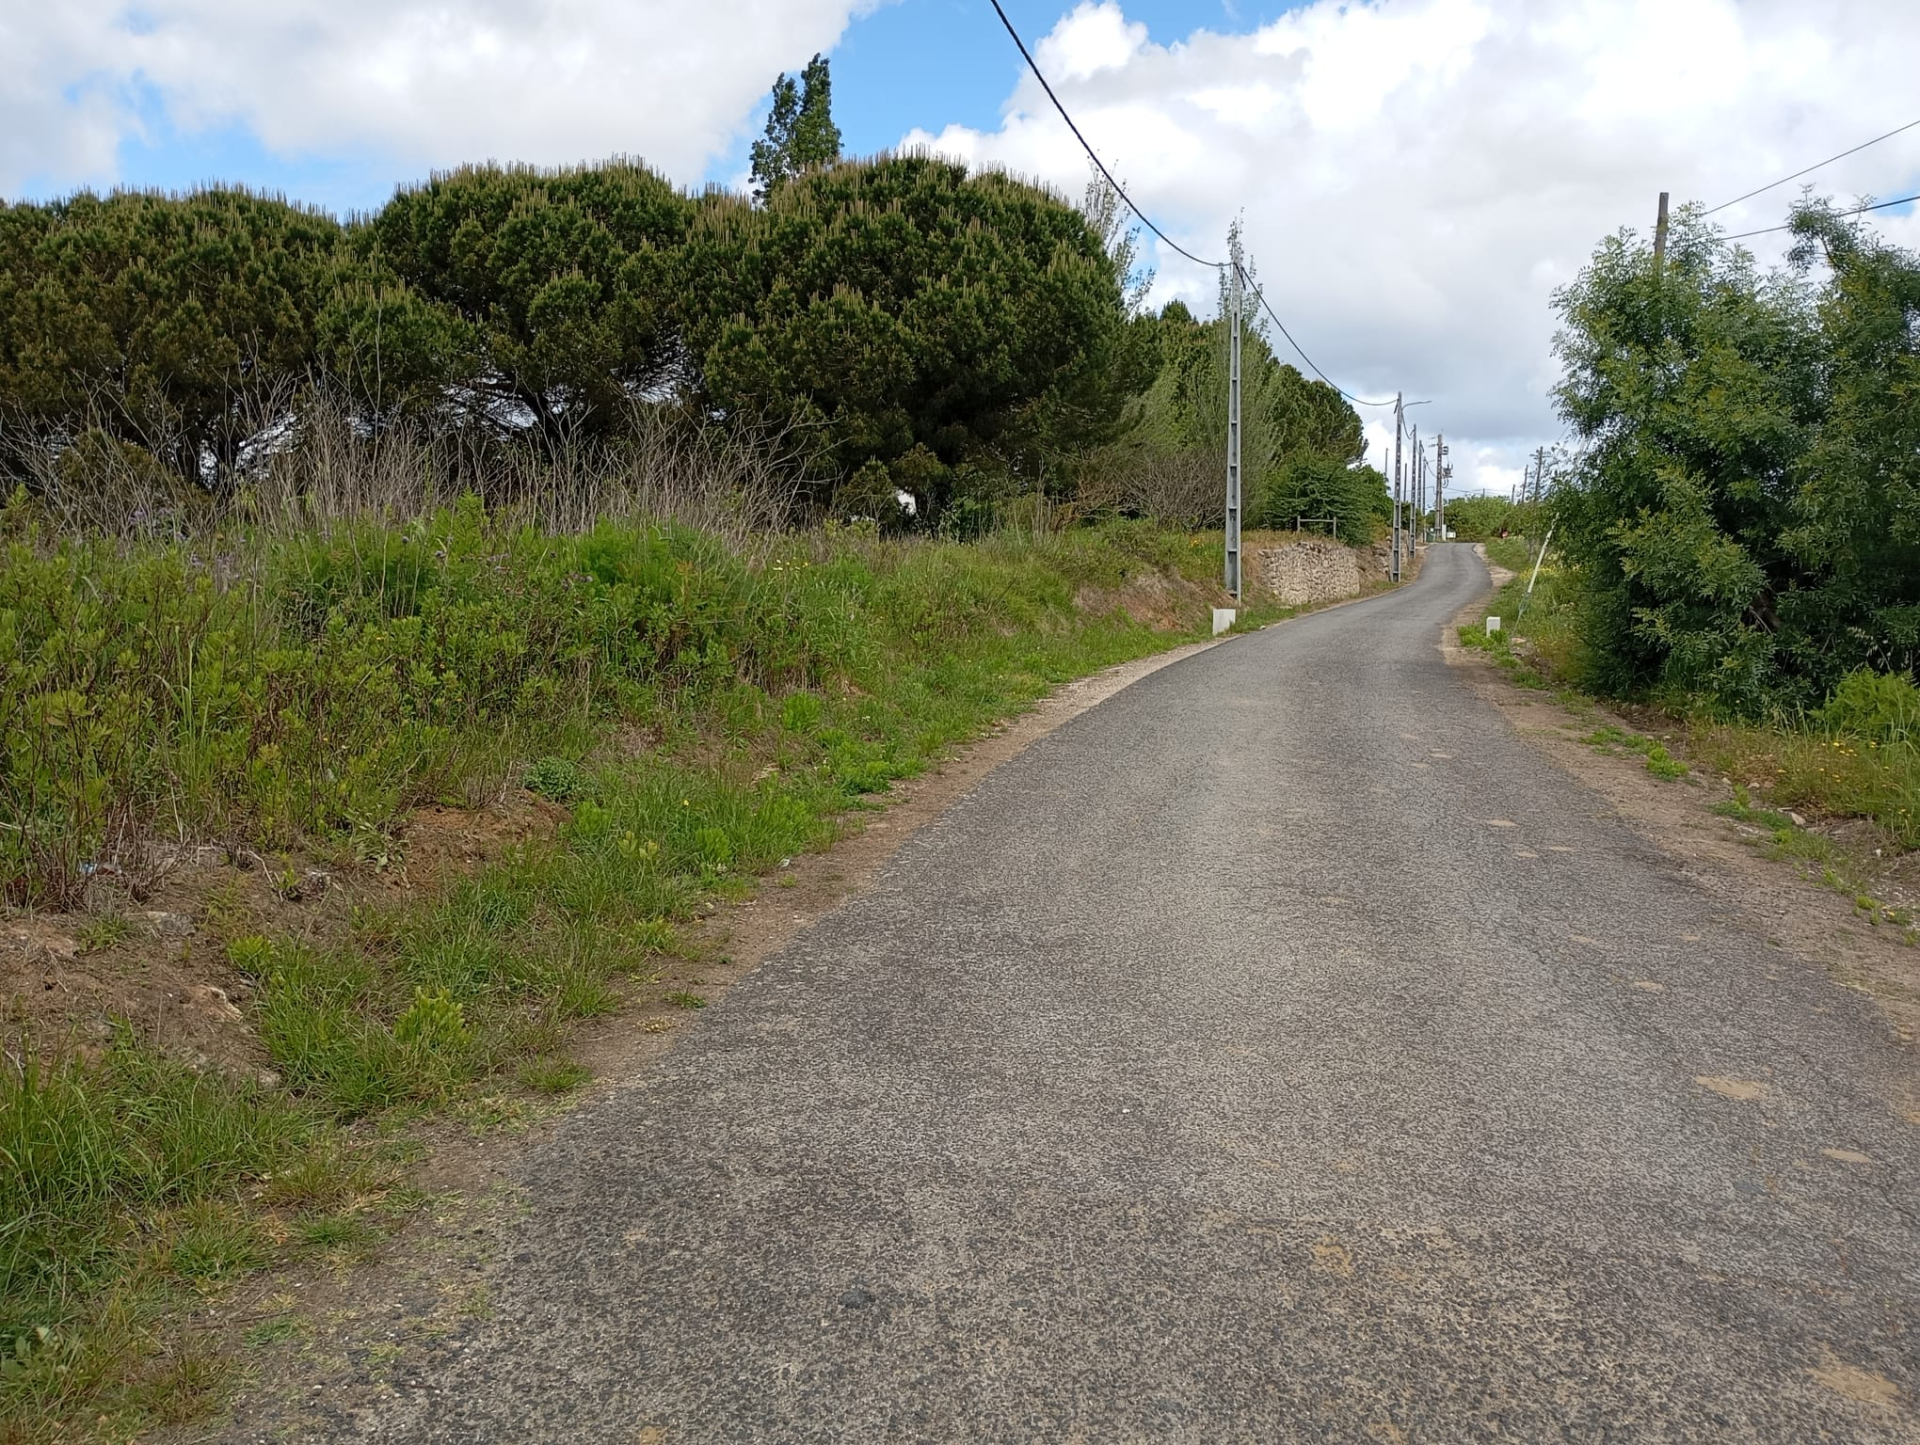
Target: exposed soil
x=1154 y=599
x=152 y=957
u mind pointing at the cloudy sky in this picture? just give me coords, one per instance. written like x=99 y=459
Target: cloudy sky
x=1416 y=176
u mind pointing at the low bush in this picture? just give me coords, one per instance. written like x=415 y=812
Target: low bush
x=1879 y=708
x=1856 y=756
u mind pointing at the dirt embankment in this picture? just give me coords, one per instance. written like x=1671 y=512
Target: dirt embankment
x=1160 y=600
x=148 y=953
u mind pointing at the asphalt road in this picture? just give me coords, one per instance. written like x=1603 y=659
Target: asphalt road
x=1265 y=1055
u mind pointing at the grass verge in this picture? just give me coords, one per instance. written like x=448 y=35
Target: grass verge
x=699 y=715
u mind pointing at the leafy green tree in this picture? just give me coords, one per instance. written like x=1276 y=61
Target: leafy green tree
x=1476 y=519
x=1745 y=511
x=1181 y=415
x=389 y=350
x=1184 y=408
x=1855 y=533
x=1309 y=418
x=801 y=135
x=1313 y=486
x=951 y=326
x=557 y=289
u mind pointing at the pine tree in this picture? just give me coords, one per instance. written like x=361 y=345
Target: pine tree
x=800 y=130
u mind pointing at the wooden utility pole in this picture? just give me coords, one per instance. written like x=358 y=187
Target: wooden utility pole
x=1660 y=237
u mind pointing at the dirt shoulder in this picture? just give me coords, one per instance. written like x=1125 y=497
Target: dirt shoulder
x=1784 y=899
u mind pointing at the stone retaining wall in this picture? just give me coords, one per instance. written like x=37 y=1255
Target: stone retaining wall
x=1308 y=571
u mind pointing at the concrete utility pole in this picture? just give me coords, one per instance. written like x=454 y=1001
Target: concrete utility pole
x=1399 y=413
x=1660 y=237
x=1420 y=483
x=1539 y=473
x=1233 y=432
x=1415 y=478
x=1440 y=472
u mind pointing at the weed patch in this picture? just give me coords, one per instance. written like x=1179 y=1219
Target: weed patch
x=132 y=1182
x=1660 y=762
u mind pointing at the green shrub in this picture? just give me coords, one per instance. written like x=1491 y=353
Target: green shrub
x=1876 y=707
x=800 y=712
x=433 y=1021
x=1312 y=487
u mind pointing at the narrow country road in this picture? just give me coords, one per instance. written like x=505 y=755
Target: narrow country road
x=1272 y=1053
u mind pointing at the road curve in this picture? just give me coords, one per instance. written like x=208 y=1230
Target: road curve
x=1272 y=1053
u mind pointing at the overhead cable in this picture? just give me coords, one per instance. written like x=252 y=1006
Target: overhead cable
x=1261 y=298
x=1119 y=190
x=1810 y=169
x=1856 y=211
x=1147 y=221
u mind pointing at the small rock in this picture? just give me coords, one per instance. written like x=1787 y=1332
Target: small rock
x=168 y=925
x=214 y=1003
x=45 y=947
x=1798 y=821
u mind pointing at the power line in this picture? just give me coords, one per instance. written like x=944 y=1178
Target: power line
x=1119 y=190
x=1814 y=167
x=1261 y=298
x=1857 y=211
x=1147 y=221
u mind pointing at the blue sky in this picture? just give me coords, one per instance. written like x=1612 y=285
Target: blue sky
x=172 y=159
x=973 y=64
x=925 y=63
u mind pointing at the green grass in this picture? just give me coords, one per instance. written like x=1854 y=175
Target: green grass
x=130 y=1186
x=103 y=931
x=299 y=701
x=1815 y=770
x=317 y=685
x=554 y=1075
x=1498 y=644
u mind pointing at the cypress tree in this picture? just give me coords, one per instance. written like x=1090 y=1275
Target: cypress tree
x=800 y=134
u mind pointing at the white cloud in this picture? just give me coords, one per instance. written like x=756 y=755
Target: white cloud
x=419 y=82
x=1418 y=175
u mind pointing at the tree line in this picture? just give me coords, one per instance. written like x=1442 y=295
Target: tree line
x=934 y=334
